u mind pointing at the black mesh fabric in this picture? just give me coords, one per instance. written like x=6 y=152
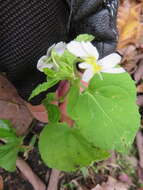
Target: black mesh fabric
x=27 y=29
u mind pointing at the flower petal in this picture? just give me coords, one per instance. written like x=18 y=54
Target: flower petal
x=43 y=64
x=84 y=65
x=60 y=48
x=87 y=75
x=76 y=49
x=90 y=49
x=50 y=49
x=110 y=60
x=41 y=61
x=114 y=70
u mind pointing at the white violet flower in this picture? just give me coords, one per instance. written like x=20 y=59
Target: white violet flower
x=89 y=54
x=44 y=62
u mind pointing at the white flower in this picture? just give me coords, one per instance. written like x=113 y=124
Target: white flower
x=89 y=54
x=44 y=61
x=59 y=48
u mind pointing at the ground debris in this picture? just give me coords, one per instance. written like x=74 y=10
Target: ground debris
x=1 y=183
x=13 y=108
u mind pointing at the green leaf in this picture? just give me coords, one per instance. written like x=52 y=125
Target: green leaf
x=8 y=155
x=68 y=58
x=33 y=140
x=43 y=87
x=8 y=151
x=107 y=113
x=65 y=149
x=5 y=124
x=84 y=38
x=49 y=72
x=6 y=130
x=53 y=113
x=122 y=80
x=51 y=96
x=72 y=99
x=55 y=58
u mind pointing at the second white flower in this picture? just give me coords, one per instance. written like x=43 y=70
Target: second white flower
x=89 y=54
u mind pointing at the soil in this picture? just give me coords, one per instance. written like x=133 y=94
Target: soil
x=16 y=181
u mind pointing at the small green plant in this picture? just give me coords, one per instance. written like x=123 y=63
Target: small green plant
x=10 y=145
x=104 y=114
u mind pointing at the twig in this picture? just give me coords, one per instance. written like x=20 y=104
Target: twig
x=139 y=142
x=28 y=173
x=54 y=179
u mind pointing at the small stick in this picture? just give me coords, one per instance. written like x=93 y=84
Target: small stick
x=139 y=142
x=28 y=173
x=54 y=179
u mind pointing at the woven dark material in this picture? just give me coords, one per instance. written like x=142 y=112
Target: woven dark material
x=29 y=27
x=97 y=17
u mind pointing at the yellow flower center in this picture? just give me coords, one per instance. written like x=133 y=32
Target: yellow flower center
x=93 y=61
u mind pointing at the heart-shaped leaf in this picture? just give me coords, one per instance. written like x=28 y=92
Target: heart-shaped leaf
x=65 y=149
x=107 y=114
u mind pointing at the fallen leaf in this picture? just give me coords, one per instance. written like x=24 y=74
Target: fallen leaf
x=140 y=88
x=98 y=187
x=113 y=184
x=132 y=160
x=39 y=112
x=123 y=177
x=140 y=100
x=129 y=23
x=13 y=108
x=1 y=183
x=138 y=75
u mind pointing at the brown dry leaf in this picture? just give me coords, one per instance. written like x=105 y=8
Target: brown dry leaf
x=140 y=100
x=39 y=112
x=123 y=177
x=140 y=88
x=113 y=184
x=1 y=183
x=13 y=108
x=98 y=187
x=128 y=62
x=129 y=52
x=129 y=23
x=138 y=75
x=132 y=160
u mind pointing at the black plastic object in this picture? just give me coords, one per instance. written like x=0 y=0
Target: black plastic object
x=97 y=17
